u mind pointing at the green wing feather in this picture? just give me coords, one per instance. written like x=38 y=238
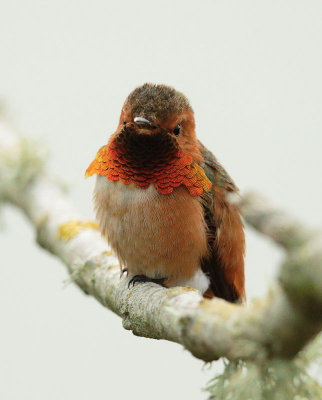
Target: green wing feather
x=215 y=172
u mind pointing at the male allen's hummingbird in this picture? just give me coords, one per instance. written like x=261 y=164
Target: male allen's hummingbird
x=163 y=200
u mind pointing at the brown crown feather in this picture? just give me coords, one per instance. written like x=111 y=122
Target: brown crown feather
x=156 y=102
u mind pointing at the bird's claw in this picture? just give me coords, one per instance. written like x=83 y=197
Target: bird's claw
x=143 y=279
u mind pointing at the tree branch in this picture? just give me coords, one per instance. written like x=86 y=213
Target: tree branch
x=274 y=223
x=277 y=326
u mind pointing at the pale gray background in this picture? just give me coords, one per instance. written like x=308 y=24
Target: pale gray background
x=252 y=70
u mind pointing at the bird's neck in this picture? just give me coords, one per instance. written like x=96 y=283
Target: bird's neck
x=166 y=172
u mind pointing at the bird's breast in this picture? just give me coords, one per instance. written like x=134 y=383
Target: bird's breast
x=153 y=234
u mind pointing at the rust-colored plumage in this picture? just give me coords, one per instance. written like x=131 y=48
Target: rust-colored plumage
x=162 y=199
x=149 y=159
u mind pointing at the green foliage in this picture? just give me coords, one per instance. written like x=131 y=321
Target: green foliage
x=275 y=380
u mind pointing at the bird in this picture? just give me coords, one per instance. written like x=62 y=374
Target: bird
x=163 y=201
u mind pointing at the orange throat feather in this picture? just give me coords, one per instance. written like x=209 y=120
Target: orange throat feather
x=146 y=159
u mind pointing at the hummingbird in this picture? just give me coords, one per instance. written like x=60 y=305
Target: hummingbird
x=163 y=201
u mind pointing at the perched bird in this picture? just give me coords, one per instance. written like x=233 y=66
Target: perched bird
x=163 y=200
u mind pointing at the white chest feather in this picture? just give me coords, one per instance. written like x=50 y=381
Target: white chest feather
x=160 y=236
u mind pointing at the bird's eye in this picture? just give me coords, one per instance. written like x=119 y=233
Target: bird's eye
x=124 y=123
x=177 y=130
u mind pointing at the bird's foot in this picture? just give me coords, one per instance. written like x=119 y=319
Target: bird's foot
x=143 y=279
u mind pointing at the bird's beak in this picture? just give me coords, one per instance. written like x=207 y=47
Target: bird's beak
x=140 y=120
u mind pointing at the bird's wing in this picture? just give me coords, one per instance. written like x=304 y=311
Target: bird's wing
x=224 y=264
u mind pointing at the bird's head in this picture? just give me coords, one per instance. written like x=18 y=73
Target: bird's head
x=156 y=121
x=154 y=143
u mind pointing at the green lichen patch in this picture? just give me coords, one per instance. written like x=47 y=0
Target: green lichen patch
x=21 y=165
x=274 y=379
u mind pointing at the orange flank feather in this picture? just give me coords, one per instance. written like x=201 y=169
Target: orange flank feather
x=230 y=241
